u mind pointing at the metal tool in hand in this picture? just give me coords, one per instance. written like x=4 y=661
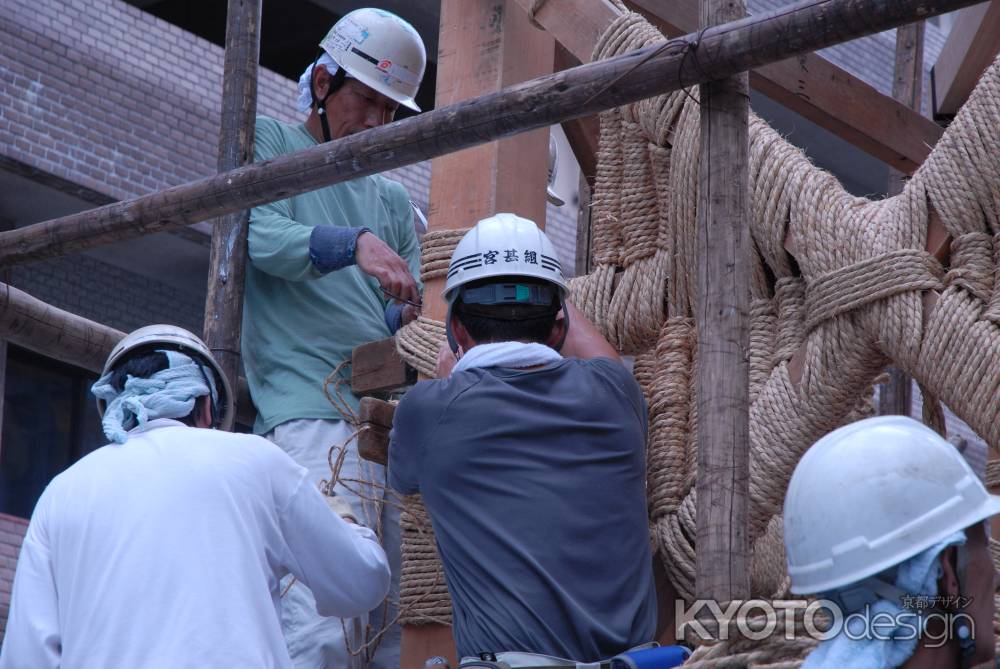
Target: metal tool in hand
x=400 y=299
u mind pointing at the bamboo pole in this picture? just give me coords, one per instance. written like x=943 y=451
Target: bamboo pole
x=227 y=268
x=693 y=59
x=896 y=395
x=723 y=324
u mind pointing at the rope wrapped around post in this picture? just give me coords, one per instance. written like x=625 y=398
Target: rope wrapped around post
x=842 y=286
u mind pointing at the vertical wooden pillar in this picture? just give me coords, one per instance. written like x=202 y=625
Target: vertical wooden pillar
x=582 y=265
x=227 y=269
x=896 y=395
x=484 y=45
x=722 y=317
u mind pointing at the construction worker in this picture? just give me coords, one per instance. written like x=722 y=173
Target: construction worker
x=329 y=270
x=531 y=464
x=165 y=548
x=887 y=521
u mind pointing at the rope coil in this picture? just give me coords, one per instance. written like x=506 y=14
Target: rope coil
x=840 y=288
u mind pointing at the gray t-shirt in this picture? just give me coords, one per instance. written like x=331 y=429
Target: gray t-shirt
x=535 y=483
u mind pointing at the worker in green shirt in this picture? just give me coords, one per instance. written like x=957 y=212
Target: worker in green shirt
x=329 y=270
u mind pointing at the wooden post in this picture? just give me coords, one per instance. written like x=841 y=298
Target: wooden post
x=896 y=395
x=484 y=45
x=227 y=269
x=722 y=317
x=582 y=91
x=582 y=264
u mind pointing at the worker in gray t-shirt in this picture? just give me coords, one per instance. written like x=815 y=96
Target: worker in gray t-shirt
x=531 y=463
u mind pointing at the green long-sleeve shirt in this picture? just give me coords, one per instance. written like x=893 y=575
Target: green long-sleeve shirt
x=298 y=324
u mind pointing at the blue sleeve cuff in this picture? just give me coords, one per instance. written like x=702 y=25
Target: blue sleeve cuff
x=394 y=316
x=332 y=247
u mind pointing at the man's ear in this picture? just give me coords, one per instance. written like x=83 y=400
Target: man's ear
x=558 y=333
x=462 y=336
x=203 y=411
x=948 y=583
x=321 y=81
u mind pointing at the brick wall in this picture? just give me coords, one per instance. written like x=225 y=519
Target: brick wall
x=12 y=531
x=104 y=96
x=79 y=284
x=112 y=98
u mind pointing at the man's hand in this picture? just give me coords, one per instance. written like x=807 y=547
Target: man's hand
x=410 y=313
x=376 y=259
x=341 y=507
x=446 y=361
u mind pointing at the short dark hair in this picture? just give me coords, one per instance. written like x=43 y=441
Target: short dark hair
x=507 y=322
x=142 y=364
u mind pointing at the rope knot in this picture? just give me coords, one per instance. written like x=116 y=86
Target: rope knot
x=849 y=288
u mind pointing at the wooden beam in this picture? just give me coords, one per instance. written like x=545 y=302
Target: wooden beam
x=722 y=316
x=583 y=91
x=896 y=395
x=972 y=44
x=825 y=94
x=47 y=330
x=808 y=84
x=375 y=417
x=32 y=324
x=583 y=133
x=575 y=24
x=227 y=265
x=376 y=367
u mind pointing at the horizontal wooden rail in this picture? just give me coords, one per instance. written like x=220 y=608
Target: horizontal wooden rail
x=693 y=59
x=28 y=322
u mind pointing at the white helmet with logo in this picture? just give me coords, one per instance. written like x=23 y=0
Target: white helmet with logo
x=152 y=337
x=380 y=50
x=872 y=494
x=503 y=245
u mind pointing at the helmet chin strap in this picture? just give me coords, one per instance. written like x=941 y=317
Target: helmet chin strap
x=336 y=81
x=963 y=631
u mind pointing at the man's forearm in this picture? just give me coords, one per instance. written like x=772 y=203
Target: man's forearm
x=332 y=247
x=583 y=340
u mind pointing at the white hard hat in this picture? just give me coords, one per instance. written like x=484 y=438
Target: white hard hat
x=503 y=245
x=153 y=337
x=380 y=50
x=872 y=494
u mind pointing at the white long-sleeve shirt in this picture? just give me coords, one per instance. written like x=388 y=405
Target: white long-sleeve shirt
x=167 y=550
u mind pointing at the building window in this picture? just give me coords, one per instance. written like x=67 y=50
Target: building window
x=49 y=422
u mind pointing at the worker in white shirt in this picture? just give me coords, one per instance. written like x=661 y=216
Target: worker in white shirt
x=165 y=548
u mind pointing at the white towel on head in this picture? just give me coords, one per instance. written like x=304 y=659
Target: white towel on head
x=304 y=103
x=169 y=393
x=917 y=576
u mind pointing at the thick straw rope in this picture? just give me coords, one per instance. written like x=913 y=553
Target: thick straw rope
x=849 y=302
